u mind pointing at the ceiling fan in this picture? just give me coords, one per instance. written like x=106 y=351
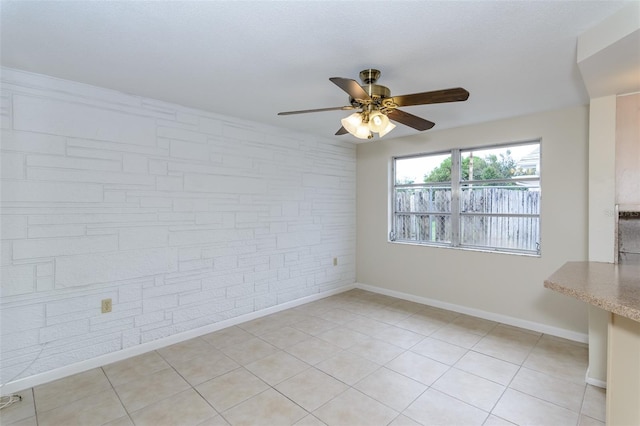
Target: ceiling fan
x=377 y=106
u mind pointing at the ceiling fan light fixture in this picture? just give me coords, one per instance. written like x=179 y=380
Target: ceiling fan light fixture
x=376 y=105
x=363 y=132
x=354 y=125
x=390 y=126
x=352 y=122
x=378 y=122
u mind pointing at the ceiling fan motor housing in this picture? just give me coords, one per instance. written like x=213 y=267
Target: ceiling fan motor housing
x=377 y=92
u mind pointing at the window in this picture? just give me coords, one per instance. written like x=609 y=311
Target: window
x=484 y=198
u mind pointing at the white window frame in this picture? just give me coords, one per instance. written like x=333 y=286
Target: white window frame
x=457 y=184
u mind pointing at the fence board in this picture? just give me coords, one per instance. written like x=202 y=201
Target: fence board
x=421 y=222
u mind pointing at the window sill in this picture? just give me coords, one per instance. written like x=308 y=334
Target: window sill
x=462 y=248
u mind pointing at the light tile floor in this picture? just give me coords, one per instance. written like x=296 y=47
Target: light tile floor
x=357 y=358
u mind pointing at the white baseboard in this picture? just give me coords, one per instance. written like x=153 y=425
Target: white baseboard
x=595 y=382
x=504 y=319
x=79 y=367
x=48 y=376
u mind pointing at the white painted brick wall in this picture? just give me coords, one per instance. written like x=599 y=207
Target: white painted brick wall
x=54 y=247
x=81 y=120
x=181 y=217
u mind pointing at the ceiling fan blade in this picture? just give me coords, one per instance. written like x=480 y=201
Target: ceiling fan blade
x=304 y=111
x=351 y=87
x=410 y=120
x=341 y=131
x=455 y=94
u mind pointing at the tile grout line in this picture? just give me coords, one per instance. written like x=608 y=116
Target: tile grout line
x=258 y=332
x=117 y=394
x=189 y=383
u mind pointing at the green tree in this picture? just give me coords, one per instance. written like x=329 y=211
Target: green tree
x=480 y=166
x=442 y=173
x=489 y=167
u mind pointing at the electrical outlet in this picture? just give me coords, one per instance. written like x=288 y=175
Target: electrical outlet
x=106 y=305
x=335 y=261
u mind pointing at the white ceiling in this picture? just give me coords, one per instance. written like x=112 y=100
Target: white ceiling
x=252 y=59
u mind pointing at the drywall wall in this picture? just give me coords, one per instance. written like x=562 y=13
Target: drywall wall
x=602 y=222
x=181 y=217
x=628 y=149
x=602 y=179
x=503 y=284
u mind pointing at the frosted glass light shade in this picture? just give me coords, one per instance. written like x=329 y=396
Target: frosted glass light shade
x=352 y=122
x=363 y=132
x=390 y=126
x=378 y=122
x=355 y=126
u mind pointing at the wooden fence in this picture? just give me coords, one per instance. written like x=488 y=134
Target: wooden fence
x=505 y=217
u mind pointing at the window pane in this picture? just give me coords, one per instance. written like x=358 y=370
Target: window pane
x=423 y=200
x=515 y=233
x=501 y=199
x=497 y=198
x=423 y=228
x=429 y=168
x=500 y=162
x=403 y=227
x=440 y=229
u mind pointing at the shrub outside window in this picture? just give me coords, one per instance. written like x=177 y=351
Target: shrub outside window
x=484 y=198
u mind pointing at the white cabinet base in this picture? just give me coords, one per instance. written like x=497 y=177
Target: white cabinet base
x=623 y=372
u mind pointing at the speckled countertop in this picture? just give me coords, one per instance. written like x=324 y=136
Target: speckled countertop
x=615 y=288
